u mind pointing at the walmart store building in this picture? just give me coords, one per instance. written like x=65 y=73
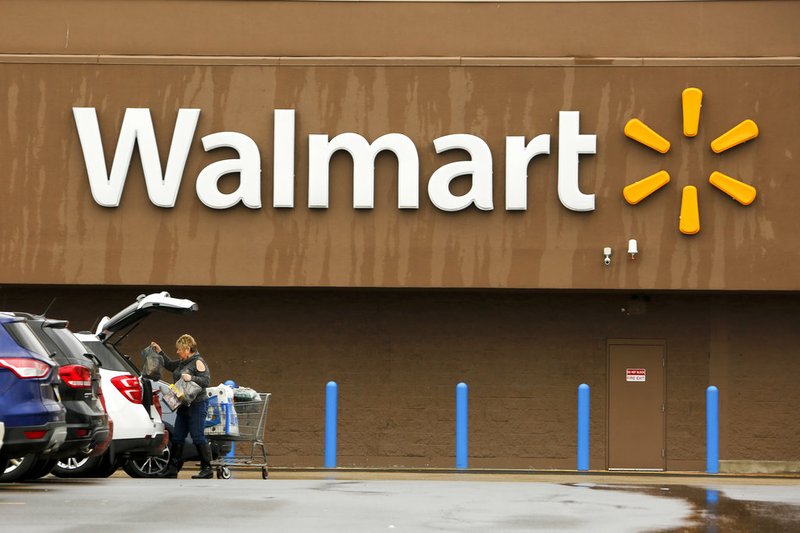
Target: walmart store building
x=400 y=196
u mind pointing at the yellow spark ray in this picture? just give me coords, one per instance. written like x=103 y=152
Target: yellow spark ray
x=636 y=192
x=642 y=133
x=692 y=99
x=690 y=212
x=741 y=192
x=741 y=133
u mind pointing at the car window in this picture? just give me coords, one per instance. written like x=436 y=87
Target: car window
x=23 y=335
x=66 y=341
x=110 y=358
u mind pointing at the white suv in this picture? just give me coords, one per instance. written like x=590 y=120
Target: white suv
x=131 y=400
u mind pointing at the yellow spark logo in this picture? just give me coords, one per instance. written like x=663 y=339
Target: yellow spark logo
x=743 y=193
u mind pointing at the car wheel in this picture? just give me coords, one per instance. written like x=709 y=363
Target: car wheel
x=41 y=468
x=148 y=466
x=17 y=468
x=76 y=466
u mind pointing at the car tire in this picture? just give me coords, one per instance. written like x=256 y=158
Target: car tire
x=17 y=468
x=148 y=466
x=70 y=467
x=41 y=468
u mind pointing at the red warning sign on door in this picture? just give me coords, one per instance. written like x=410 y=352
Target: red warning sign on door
x=635 y=374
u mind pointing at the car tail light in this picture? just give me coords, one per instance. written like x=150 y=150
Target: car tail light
x=129 y=386
x=76 y=376
x=35 y=434
x=157 y=403
x=25 y=368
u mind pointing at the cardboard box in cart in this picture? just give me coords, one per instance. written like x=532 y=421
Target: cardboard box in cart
x=221 y=418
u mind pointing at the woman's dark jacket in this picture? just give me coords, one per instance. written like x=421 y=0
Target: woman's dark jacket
x=189 y=366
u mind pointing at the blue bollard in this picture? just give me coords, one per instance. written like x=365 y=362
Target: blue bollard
x=583 y=427
x=330 y=424
x=712 y=430
x=461 y=425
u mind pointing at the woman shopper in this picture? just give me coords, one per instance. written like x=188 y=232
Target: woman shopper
x=190 y=366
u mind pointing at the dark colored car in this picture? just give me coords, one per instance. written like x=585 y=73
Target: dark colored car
x=34 y=418
x=130 y=403
x=87 y=420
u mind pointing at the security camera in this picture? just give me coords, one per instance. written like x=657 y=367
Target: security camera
x=607 y=254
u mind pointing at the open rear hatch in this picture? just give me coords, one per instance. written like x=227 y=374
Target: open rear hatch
x=138 y=310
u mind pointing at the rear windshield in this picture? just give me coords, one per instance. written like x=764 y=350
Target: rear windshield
x=66 y=341
x=25 y=337
x=110 y=358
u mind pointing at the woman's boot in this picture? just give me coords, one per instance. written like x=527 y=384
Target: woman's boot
x=205 y=462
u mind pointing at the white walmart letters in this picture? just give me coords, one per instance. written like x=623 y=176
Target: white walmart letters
x=320 y=151
x=162 y=189
x=480 y=167
x=248 y=167
x=137 y=127
x=571 y=144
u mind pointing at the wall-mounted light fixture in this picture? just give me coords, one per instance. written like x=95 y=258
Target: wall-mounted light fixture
x=607 y=255
x=633 y=248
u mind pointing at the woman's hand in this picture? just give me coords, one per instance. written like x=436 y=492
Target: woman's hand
x=186 y=377
x=154 y=345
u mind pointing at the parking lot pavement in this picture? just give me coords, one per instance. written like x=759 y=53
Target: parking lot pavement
x=373 y=501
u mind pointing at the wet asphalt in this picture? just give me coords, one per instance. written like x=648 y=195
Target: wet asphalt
x=713 y=510
x=405 y=501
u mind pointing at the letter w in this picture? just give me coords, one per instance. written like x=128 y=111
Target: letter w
x=137 y=127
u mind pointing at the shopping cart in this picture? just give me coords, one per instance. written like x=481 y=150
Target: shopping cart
x=241 y=422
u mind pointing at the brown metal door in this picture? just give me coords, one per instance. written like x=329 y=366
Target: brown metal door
x=636 y=405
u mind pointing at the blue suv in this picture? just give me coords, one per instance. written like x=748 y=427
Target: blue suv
x=34 y=418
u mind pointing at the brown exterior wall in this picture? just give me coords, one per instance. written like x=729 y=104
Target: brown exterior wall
x=397 y=29
x=493 y=70
x=398 y=355
x=51 y=226
x=760 y=372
